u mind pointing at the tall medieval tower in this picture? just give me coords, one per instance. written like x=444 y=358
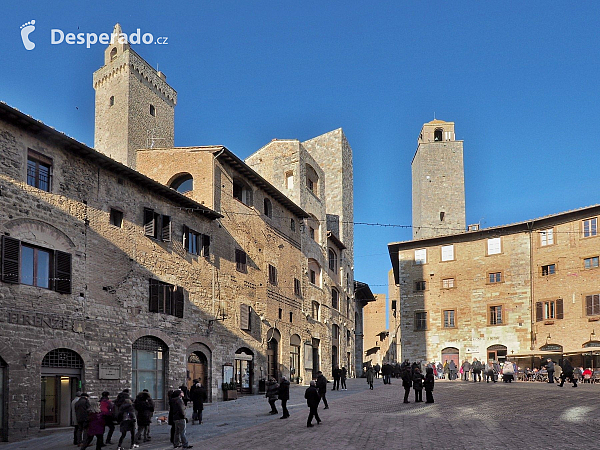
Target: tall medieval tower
x=135 y=107
x=438 y=182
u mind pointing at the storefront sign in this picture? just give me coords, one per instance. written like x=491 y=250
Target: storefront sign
x=35 y=319
x=243 y=357
x=107 y=372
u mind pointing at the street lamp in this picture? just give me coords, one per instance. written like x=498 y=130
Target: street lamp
x=593 y=335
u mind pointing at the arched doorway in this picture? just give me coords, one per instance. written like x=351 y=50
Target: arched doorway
x=497 y=353
x=148 y=367
x=244 y=370
x=295 y=344
x=197 y=369
x=3 y=400
x=451 y=354
x=61 y=373
x=273 y=340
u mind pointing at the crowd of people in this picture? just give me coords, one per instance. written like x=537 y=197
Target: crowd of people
x=92 y=417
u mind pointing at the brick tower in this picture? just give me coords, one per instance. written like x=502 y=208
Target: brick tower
x=438 y=182
x=135 y=106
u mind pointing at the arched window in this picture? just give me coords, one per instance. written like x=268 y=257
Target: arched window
x=295 y=343
x=437 y=134
x=268 y=208
x=333 y=260
x=312 y=179
x=242 y=192
x=149 y=356
x=183 y=183
x=314 y=272
x=113 y=54
x=335 y=298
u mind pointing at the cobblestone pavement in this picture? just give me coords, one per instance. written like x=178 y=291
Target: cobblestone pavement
x=464 y=416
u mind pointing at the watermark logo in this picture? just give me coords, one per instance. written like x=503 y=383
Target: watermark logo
x=26 y=29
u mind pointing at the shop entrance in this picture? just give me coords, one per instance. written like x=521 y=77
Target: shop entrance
x=197 y=369
x=61 y=377
x=244 y=370
x=497 y=353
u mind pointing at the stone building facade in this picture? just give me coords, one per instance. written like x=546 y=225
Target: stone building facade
x=376 y=340
x=142 y=265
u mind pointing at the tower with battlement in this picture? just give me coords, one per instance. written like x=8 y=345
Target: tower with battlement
x=135 y=106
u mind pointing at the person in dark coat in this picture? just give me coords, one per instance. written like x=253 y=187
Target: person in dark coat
x=107 y=410
x=170 y=416
x=322 y=387
x=476 y=368
x=198 y=396
x=567 y=372
x=284 y=396
x=272 y=391
x=376 y=369
x=312 y=400
x=144 y=406
x=428 y=385
x=186 y=394
x=344 y=376
x=337 y=374
x=370 y=377
x=550 y=367
x=121 y=397
x=82 y=409
x=127 y=419
x=177 y=410
x=95 y=426
x=74 y=418
x=406 y=382
x=418 y=385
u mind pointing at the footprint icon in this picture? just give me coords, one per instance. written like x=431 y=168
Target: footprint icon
x=26 y=30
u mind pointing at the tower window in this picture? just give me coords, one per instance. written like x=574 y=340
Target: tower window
x=268 y=208
x=113 y=54
x=442 y=216
x=152 y=110
x=437 y=134
x=111 y=101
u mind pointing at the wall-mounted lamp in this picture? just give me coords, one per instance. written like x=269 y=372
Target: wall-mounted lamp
x=593 y=335
x=548 y=338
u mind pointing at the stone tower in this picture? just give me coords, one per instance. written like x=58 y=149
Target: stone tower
x=134 y=104
x=438 y=182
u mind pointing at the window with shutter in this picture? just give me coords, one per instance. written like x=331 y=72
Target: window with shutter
x=539 y=311
x=10 y=259
x=154 y=295
x=421 y=256
x=448 y=253
x=494 y=246
x=205 y=245
x=245 y=317
x=166 y=298
x=149 y=224
x=592 y=304
x=559 y=308
x=62 y=272
x=166 y=229
x=178 y=301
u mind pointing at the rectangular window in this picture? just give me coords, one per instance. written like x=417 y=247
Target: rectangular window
x=166 y=298
x=552 y=309
x=310 y=184
x=547 y=237
x=494 y=246
x=291 y=317
x=348 y=338
x=421 y=256
x=590 y=227
x=313 y=277
x=420 y=286
x=335 y=299
x=315 y=311
x=592 y=304
x=272 y=275
x=549 y=269
x=449 y=315
x=448 y=283
x=448 y=253
x=590 y=263
x=35 y=266
x=116 y=217
x=496 y=315
x=39 y=170
x=240 y=261
x=280 y=313
x=292 y=225
x=297 y=288
x=289 y=180
x=196 y=243
x=157 y=226
x=245 y=323
x=311 y=233
x=420 y=320
x=495 y=277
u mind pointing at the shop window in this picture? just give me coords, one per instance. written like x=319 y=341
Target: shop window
x=148 y=364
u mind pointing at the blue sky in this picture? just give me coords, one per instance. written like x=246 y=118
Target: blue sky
x=519 y=79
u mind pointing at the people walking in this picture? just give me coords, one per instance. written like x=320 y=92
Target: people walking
x=344 y=375
x=82 y=409
x=322 y=387
x=490 y=372
x=177 y=408
x=377 y=368
x=567 y=372
x=95 y=426
x=284 y=396
x=386 y=371
x=476 y=368
x=272 y=390
x=428 y=385
x=198 y=396
x=144 y=406
x=418 y=385
x=466 y=368
x=508 y=372
x=121 y=397
x=406 y=382
x=312 y=401
x=550 y=369
x=337 y=374
x=107 y=410
x=127 y=419
x=76 y=435
x=370 y=377
x=452 y=370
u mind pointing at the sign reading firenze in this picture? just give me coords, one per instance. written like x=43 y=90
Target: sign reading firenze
x=35 y=319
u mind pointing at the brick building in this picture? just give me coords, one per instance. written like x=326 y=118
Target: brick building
x=376 y=340
x=139 y=264
x=517 y=289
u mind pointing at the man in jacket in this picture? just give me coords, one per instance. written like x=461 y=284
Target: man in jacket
x=177 y=409
x=344 y=375
x=567 y=372
x=74 y=418
x=272 y=391
x=144 y=406
x=476 y=368
x=284 y=396
x=550 y=367
x=337 y=374
x=312 y=400
x=82 y=409
x=466 y=367
x=322 y=387
x=406 y=383
x=198 y=396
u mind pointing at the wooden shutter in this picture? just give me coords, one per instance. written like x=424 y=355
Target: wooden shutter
x=539 y=311
x=559 y=308
x=154 y=295
x=186 y=243
x=205 y=245
x=178 y=301
x=166 y=229
x=149 y=222
x=10 y=259
x=62 y=272
x=588 y=305
x=245 y=317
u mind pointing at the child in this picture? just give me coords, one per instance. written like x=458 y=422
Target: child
x=429 y=380
x=406 y=383
x=418 y=385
